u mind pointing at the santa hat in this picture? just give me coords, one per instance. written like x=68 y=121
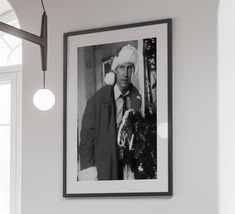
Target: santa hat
x=128 y=54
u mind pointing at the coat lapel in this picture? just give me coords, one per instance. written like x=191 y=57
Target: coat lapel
x=108 y=131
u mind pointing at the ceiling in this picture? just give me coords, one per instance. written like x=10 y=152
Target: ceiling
x=4 y=6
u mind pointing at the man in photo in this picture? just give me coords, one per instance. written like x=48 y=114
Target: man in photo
x=100 y=153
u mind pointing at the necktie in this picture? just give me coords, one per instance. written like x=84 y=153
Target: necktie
x=124 y=106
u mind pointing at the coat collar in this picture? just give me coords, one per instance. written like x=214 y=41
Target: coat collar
x=118 y=93
x=107 y=96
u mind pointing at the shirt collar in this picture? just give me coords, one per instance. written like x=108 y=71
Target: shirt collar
x=117 y=92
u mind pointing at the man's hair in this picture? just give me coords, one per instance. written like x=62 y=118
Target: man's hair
x=127 y=54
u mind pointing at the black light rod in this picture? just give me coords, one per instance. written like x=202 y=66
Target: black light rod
x=40 y=40
x=21 y=33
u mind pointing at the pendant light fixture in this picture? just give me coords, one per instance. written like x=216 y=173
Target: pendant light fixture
x=43 y=99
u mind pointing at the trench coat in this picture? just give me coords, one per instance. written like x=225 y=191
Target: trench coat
x=98 y=145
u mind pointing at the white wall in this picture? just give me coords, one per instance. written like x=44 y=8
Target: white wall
x=195 y=105
x=226 y=106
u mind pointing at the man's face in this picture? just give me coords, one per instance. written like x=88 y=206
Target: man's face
x=123 y=75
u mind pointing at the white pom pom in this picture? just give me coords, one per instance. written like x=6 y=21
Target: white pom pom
x=109 y=78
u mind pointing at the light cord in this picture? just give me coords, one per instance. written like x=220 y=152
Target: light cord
x=43 y=6
x=44 y=79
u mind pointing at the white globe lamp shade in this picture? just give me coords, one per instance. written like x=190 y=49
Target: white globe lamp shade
x=44 y=99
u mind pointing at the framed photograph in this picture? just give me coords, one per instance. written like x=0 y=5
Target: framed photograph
x=118 y=111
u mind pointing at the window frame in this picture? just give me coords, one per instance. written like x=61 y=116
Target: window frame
x=14 y=74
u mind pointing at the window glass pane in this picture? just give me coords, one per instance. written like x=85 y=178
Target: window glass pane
x=5 y=103
x=5 y=169
x=4 y=52
x=16 y=56
x=10 y=46
x=12 y=41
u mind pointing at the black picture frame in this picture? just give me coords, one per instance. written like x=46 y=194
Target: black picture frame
x=164 y=25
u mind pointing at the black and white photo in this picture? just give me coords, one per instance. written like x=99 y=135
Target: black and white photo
x=117 y=111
